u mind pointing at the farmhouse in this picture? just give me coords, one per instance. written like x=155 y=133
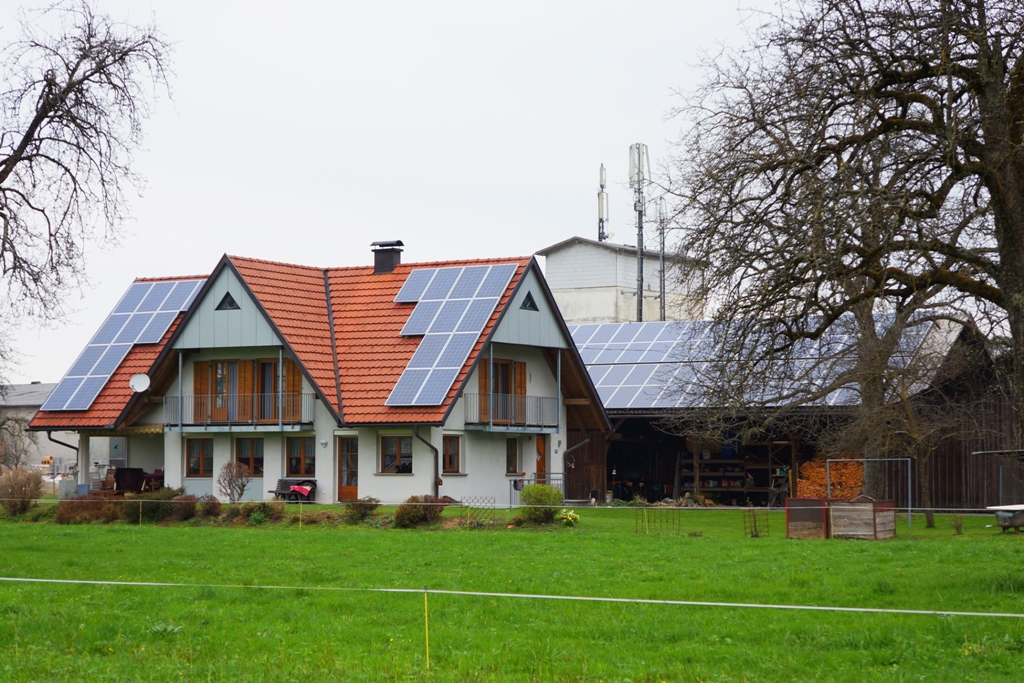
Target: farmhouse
x=455 y=378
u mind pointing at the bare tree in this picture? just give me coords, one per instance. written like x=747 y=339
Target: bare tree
x=233 y=479
x=71 y=113
x=905 y=116
x=15 y=442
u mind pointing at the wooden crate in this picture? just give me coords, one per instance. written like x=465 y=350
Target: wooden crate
x=871 y=520
x=807 y=518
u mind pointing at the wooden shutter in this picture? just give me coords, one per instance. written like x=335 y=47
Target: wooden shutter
x=200 y=391
x=483 y=371
x=292 y=391
x=519 y=389
x=246 y=390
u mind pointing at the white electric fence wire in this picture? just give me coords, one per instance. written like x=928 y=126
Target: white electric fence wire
x=528 y=596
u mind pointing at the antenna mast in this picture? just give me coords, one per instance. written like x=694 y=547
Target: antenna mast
x=638 y=163
x=662 y=220
x=602 y=209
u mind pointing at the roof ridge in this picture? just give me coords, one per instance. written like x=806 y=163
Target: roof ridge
x=172 y=278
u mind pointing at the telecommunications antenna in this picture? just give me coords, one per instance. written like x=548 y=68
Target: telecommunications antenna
x=602 y=209
x=639 y=173
x=139 y=383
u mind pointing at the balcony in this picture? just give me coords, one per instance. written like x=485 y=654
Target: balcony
x=511 y=412
x=237 y=410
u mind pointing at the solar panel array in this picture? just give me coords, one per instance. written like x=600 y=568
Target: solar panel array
x=141 y=317
x=657 y=364
x=452 y=307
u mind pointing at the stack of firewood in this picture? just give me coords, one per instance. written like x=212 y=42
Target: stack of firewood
x=847 y=479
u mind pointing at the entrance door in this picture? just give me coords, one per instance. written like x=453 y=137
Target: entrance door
x=542 y=459
x=348 y=468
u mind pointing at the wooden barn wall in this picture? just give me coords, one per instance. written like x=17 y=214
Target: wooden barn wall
x=960 y=476
x=585 y=466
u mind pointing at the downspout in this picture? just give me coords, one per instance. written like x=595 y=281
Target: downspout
x=49 y=435
x=437 y=478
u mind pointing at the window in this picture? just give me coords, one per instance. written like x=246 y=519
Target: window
x=249 y=452
x=396 y=454
x=301 y=456
x=451 y=454
x=511 y=456
x=199 y=455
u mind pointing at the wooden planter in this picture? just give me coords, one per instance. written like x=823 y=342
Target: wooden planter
x=862 y=519
x=807 y=518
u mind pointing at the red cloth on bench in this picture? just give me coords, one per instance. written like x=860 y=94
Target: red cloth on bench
x=304 y=490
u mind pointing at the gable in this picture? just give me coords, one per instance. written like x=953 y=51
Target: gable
x=214 y=326
x=522 y=325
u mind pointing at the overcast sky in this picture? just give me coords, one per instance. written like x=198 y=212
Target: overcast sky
x=303 y=131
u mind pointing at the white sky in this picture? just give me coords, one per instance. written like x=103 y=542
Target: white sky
x=303 y=131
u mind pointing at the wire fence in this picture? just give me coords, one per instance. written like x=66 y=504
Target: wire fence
x=523 y=596
x=497 y=506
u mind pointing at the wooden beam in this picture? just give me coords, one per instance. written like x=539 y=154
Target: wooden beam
x=576 y=401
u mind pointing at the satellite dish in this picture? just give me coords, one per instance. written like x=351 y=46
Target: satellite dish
x=139 y=383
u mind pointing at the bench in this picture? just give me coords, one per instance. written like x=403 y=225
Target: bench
x=284 y=490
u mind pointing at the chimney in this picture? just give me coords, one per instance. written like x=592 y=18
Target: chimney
x=386 y=255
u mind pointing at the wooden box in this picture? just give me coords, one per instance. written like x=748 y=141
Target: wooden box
x=870 y=519
x=807 y=518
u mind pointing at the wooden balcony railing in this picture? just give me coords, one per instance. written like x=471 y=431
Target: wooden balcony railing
x=239 y=409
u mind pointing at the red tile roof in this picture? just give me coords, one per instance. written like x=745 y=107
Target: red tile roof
x=114 y=397
x=295 y=299
x=371 y=352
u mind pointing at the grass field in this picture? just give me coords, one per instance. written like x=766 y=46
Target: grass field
x=109 y=633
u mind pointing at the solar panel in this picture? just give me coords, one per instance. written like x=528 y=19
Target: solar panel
x=428 y=351
x=657 y=364
x=469 y=282
x=582 y=334
x=415 y=285
x=436 y=387
x=477 y=315
x=421 y=318
x=442 y=283
x=142 y=316
x=449 y=316
x=496 y=281
x=452 y=307
x=157 y=293
x=156 y=328
x=626 y=333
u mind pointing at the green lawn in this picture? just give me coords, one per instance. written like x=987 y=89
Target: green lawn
x=100 y=633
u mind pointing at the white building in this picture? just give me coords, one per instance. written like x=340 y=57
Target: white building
x=595 y=282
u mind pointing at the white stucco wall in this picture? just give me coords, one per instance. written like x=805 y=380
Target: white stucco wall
x=595 y=284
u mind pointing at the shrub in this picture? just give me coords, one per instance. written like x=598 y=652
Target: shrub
x=233 y=479
x=432 y=509
x=545 y=499
x=409 y=513
x=418 y=509
x=88 y=511
x=233 y=512
x=258 y=517
x=158 y=505
x=358 y=510
x=211 y=505
x=184 y=507
x=18 y=488
x=265 y=510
